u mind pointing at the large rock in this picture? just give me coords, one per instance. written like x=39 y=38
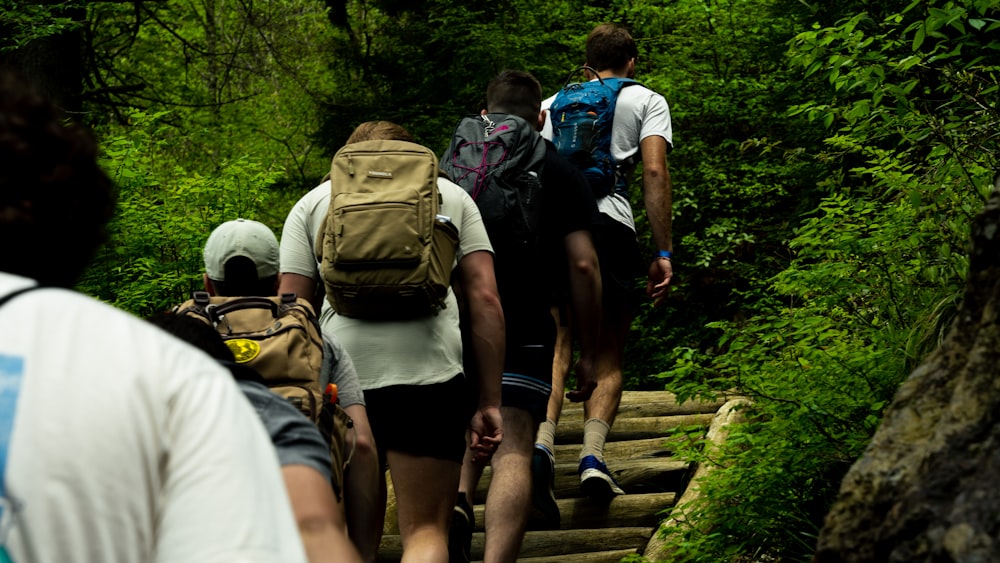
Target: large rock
x=928 y=486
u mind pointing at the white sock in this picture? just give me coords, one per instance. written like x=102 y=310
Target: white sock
x=547 y=435
x=595 y=432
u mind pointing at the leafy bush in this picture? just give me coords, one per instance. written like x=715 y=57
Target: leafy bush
x=875 y=275
x=164 y=216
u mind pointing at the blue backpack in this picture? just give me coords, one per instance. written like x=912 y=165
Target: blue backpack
x=582 y=115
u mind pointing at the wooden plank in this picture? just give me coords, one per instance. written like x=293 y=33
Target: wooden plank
x=634 y=475
x=626 y=449
x=637 y=404
x=596 y=557
x=569 y=542
x=626 y=511
x=563 y=545
x=571 y=431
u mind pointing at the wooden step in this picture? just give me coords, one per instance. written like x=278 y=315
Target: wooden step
x=571 y=431
x=596 y=557
x=634 y=476
x=645 y=448
x=564 y=544
x=624 y=511
x=637 y=404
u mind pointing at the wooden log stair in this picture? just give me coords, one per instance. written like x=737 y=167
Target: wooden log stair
x=638 y=454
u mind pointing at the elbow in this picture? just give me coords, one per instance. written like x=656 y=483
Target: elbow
x=485 y=299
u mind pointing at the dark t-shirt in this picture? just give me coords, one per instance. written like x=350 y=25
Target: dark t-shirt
x=295 y=437
x=527 y=280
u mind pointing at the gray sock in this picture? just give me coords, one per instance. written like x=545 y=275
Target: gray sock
x=547 y=435
x=595 y=432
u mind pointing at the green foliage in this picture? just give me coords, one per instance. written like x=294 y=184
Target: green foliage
x=875 y=273
x=21 y=23
x=165 y=213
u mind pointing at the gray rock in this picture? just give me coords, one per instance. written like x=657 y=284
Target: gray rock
x=927 y=487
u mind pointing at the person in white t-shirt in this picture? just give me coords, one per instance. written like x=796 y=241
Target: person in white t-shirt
x=411 y=370
x=641 y=128
x=119 y=442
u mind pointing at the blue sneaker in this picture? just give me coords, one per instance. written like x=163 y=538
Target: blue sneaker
x=542 y=482
x=596 y=481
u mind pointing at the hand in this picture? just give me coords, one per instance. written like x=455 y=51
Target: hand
x=658 y=285
x=586 y=380
x=486 y=432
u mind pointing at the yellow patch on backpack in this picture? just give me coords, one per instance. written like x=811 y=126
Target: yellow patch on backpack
x=244 y=350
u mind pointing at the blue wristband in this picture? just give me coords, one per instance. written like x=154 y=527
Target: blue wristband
x=665 y=254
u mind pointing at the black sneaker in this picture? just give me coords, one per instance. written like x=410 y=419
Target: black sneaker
x=543 y=474
x=463 y=521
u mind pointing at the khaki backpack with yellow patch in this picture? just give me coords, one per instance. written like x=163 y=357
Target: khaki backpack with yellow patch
x=279 y=337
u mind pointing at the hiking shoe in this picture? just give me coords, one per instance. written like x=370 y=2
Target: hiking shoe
x=463 y=521
x=596 y=481
x=543 y=475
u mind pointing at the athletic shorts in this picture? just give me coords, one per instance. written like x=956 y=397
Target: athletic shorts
x=621 y=264
x=527 y=375
x=421 y=420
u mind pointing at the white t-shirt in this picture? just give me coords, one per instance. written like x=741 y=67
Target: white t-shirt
x=128 y=445
x=639 y=113
x=412 y=352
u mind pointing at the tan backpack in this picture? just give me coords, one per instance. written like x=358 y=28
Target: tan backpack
x=279 y=337
x=385 y=251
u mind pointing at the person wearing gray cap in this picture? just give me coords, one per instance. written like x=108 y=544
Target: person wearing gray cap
x=241 y=259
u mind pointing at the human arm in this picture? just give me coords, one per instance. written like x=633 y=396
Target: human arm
x=299 y=266
x=301 y=286
x=487 y=336
x=585 y=297
x=320 y=521
x=658 y=198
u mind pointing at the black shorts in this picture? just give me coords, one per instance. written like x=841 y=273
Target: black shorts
x=421 y=420
x=621 y=264
x=527 y=378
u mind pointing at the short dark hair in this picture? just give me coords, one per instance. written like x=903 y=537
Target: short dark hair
x=610 y=46
x=55 y=200
x=241 y=280
x=197 y=333
x=515 y=92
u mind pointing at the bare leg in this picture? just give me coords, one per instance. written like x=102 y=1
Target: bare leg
x=509 y=499
x=425 y=497
x=365 y=516
x=596 y=480
x=473 y=471
x=603 y=404
x=561 y=361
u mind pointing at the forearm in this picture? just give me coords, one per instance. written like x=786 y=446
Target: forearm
x=657 y=191
x=488 y=341
x=658 y=196
x=478 y=286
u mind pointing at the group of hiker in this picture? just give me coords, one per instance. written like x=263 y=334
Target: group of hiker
x=418 y=316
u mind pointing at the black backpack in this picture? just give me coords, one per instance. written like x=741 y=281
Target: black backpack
x=497 y=158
